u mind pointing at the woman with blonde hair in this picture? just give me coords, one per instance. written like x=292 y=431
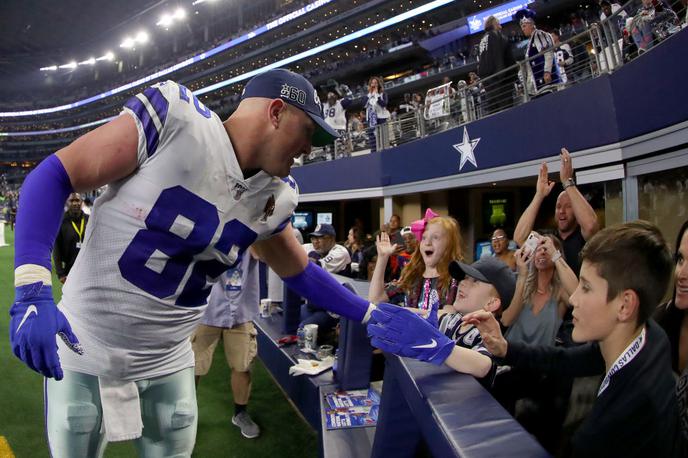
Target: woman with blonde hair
x=425 y=284
x=545 y=283
x=376 y=108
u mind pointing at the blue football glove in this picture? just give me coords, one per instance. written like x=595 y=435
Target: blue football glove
x=35 y=320
x=398 y=330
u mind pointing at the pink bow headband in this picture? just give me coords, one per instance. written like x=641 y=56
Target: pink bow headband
x=418 y=227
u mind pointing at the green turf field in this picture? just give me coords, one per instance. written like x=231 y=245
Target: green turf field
x=283 y=433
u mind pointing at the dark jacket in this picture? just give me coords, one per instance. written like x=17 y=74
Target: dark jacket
x=636 y=415
x=68 y=242
x=495 y=56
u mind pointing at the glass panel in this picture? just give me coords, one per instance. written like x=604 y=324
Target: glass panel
x=662 y=200
x=613 y=203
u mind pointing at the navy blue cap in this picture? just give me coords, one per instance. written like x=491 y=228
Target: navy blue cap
x=323 y=229
x=297 y=91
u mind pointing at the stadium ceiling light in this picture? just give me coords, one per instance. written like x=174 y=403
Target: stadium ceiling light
x=165 y=20
x=179 y=14
x=142 y=37
x=91 y=61
x=128 y=43
x=207 y=54
x=72 y=64
x=52 y=68
x=107 y=56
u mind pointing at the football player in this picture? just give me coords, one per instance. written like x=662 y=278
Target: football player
x=187 y=195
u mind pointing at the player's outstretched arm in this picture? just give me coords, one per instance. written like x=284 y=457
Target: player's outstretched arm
x=286 y=257
x=103 y=155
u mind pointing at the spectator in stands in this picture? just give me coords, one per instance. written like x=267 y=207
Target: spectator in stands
x=452 y=91
x=545 y=283
x=376 y=109
x=673 y=318
x=70 y=237
x=425 y=285
x=563 y=54
x=487 y=284
x=354 y=244
x=495 y=56
x=576 y=220
x=232 y=307
x=500 y=248
x=544 y=70
x=402 y=256
x=406 y=106
x=477 y=91
x=635 y=411
x=334 y=112
x=653 y=22
x=394 y=230
x=608 y=9
x=334 y=258
x=417 y=100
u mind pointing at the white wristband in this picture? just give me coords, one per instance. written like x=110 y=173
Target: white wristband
x=366 y=317
x=556 y=256
x=31 y=273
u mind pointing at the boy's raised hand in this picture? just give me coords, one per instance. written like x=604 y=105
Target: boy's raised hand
x=490 y=331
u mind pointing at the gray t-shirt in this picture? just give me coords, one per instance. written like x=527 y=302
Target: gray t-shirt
x=540 y=329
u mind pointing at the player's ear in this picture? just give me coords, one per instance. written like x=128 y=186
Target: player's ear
x=276 y=111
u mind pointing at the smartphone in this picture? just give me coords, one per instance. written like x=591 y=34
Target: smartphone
x=531 y=243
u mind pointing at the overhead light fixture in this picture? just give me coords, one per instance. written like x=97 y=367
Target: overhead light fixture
x=165 y=21
x=72 y=64
x=179 y=14
x=128 y=43
x=109 y=56
x=91 y=61
x=141 y=37
x=52 y=68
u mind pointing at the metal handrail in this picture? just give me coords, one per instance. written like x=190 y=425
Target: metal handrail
x=600 y=49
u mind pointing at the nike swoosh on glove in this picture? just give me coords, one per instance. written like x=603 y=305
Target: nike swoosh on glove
x=34 y=322
x=398 y=330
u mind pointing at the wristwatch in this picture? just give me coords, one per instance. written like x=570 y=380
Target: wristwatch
x=568 y=183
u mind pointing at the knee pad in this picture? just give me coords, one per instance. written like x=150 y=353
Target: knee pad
x=82 y=417
x=184 y=415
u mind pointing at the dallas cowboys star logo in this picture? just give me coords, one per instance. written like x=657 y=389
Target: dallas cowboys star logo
x=466 y=148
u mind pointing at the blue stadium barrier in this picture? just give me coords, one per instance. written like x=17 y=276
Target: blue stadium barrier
x=452 y=412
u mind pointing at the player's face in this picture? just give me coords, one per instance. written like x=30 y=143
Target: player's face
x=292 y=139
x=499 y=241
x=433 y=244
x=682 y=273
x=566 y=220
x=593 y=317
x=472 y=295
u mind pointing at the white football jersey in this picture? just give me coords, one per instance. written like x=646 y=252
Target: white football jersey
x=158 y=238
x=335 y=115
